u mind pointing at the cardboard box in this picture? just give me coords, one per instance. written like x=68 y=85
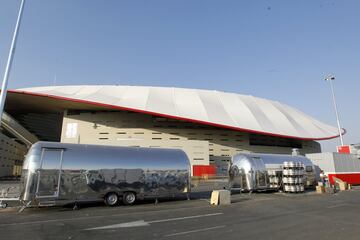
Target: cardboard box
x=343 y=186
x=320 y=189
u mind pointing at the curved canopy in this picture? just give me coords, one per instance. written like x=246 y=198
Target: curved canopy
x=221 y=109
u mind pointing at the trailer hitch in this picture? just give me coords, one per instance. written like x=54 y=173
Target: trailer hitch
x=24 y=205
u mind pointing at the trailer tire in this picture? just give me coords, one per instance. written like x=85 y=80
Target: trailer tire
x=3 y=205
x=129 y=198
x=111 y=199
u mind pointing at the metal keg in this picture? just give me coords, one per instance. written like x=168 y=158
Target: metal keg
x=292 y=188
x=292 y=164
x=302 y=189
x=291 y=180
x=296 y=180
x=287 y=188
x=286 y=164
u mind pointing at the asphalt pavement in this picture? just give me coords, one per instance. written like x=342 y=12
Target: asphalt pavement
x=250 y=216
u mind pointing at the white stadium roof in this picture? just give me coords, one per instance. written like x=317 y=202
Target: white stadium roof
x=216 y=108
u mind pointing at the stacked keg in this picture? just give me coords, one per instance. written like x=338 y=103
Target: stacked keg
x=274 y=179
x=293 y=177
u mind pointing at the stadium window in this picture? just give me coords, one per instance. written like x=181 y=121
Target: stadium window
x=262 y=140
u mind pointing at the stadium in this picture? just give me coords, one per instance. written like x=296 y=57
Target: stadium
x=210 y=126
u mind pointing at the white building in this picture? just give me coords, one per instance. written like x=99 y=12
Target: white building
x=210 y=126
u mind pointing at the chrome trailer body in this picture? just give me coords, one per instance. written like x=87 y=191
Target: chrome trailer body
x=250 y=171
x=58 y=173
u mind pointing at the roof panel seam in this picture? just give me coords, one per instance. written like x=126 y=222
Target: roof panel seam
x=225 y=110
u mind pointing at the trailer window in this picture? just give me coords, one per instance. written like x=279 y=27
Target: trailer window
x=48 y=182
x=51 y=159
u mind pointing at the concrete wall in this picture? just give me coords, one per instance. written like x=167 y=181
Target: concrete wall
x=12 y=155
x=134 y=129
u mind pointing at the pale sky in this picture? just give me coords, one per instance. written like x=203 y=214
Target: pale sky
x=279 y=50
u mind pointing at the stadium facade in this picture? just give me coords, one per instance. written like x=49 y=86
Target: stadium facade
x=210 y=126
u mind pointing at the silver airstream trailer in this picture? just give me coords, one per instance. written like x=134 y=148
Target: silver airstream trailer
x=250 y=172
x=58 y=173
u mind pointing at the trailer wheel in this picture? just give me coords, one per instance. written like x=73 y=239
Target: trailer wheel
x=3 y=205
x=111 y=199
x=129 y=198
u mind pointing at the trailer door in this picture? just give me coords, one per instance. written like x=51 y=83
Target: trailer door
x=260 y=172
x=49 y=173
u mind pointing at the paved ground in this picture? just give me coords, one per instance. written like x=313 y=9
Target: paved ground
x=255 y=216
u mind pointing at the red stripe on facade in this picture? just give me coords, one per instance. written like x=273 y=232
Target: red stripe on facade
x=166 y=115
x=351 y=178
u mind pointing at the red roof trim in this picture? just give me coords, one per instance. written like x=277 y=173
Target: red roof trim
x=168 y=116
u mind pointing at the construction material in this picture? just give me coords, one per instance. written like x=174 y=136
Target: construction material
x=343 y=186
x=320 y=189
x=220 y=197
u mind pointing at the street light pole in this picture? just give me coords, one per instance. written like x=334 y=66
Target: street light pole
x=9 y=61
x=331 y=79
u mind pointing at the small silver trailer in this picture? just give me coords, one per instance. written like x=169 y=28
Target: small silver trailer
x=58 y=173
x=250 y=172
